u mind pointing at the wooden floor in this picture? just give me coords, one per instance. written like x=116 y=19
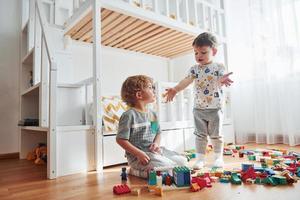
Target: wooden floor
x=22 y=180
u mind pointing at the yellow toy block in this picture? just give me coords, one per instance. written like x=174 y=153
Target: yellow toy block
x=158 y=191
x=136 y=191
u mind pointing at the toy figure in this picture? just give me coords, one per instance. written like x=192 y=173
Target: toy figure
x=124 y=174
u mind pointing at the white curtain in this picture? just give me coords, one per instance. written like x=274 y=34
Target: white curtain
x=266 y=92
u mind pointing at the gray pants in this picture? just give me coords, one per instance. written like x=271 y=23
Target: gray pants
x=166 y=158
x=208 y=123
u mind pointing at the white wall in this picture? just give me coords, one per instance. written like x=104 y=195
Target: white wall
x=9 y=75
x=118 y=64
x=180 y=66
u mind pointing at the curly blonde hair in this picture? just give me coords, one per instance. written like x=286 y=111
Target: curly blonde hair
x=132 y=85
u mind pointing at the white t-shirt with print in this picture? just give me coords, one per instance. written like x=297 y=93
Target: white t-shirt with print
x=208 y=93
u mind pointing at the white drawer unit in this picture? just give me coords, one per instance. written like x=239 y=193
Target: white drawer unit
x=113 y=154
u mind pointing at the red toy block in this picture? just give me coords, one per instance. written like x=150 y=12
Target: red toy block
x=241 y=154
x=168 y=180
x=206 y=175
x=121 y=189
x=290 y=157
x=265 y=153
x=202 y=182
x=250 y=173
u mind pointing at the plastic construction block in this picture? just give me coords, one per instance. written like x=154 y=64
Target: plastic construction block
x=270 y=181
x=227 y=151
x=224 y=180
x=121 y=189
x=158 y=191
x=235 y=179
x=239 y=147
x=173 y=187
x=202 y=182
x=250 y=173
x=182 y=176
x=152 y=178
x=136 y=191
x=290 y=179
x=245 y=167
x=258 y=180
x=269 y=171
x=264 y=165
x=250 y=181
x=251 y=157
x=259 y=169
x=298 y=172
x=241 y=154
x=280 y=180
x=195 y=187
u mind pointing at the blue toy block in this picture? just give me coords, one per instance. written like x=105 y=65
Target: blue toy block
x=245 y=167
x=227 y=172
x=259 y=169
x=182 y=176
x=298 y=172
x=269 y=171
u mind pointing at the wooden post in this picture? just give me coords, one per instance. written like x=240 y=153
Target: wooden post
x=97 y=72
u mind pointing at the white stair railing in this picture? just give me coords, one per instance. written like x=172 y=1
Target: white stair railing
x=48 y=84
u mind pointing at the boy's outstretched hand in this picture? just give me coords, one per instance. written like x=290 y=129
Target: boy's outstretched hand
x=170 y=94
x=225 y=80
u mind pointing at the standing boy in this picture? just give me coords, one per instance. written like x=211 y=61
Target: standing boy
x=208 y=77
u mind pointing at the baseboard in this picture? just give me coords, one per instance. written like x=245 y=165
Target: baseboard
x=9 y=155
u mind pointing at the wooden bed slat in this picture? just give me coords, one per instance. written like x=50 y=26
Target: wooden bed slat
x=151 y=41
x=182 y=44
x=162 y=41
x=131 y=25
x=145 y=37
x=130 y=33
x=127 y=32
x=169 y=43
x=87 y=30
x=136 y=36
x=117 y=29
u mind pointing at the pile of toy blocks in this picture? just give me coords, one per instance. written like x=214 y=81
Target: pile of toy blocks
x=277 y=167
x=266 y=166
x=169 y=178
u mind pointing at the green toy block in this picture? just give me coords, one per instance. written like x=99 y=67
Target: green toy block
x=280 y=180
x=275 y=162
x=264 y=165
x=235 y=179
x=224 y=180
x=258 y=181
x=251 y=157
x=270 y=181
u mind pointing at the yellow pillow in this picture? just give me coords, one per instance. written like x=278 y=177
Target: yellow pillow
x=113 y=108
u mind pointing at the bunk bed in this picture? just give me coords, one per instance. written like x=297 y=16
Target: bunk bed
x=152 y=27
x=159 y=28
